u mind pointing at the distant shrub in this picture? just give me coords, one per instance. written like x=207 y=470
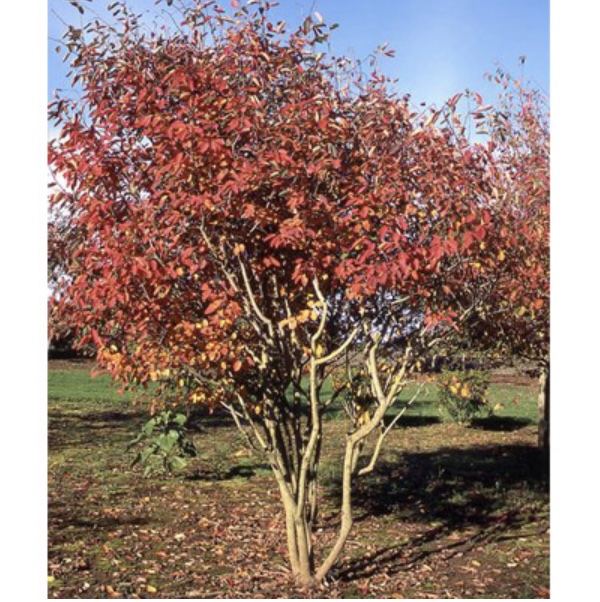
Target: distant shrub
x=167 y=445
x=463 y=395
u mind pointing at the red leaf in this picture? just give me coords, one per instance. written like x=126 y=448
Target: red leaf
x=213 y=307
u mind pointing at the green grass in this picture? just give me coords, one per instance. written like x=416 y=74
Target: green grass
x=517 y=401
x=512 y=401
x=78 y=384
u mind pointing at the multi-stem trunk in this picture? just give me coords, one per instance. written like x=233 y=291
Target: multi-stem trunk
x=346 y=512
x=299 y=529
x=295 y=469
x=299 y=526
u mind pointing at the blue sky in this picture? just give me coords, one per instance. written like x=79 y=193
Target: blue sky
x=442 y=46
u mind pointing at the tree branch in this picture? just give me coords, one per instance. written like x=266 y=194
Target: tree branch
x=367 y=469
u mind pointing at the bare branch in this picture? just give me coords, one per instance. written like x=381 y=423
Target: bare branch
x=334 y=354
x=385 y=432
x=252 y=299
x=263 y=444
x=236 y=417
x=323 y=321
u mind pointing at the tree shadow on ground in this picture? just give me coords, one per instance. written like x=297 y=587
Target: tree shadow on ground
x=242 y=471
x=200 y=420
x=69 y=430
x=415 y=421
x=77 y=518
x=505 y=424
x=481 y=493
x=420 y=414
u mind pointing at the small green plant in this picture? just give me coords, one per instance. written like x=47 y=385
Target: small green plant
x=463 y=395
x=167 y=444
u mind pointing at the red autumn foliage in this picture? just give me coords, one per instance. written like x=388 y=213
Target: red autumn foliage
x=244 y=212
x=520 y=142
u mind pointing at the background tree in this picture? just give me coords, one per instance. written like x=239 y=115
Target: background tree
x=515 y=319
x=248 y=218
x=60 y=339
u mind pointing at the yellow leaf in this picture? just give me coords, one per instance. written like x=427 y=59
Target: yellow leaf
x=501 y=255
x=151 y=589
x=304 y=315
x=319 y=351
x=162 y=291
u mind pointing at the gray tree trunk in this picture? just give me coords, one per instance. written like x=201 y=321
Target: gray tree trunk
x=544 y=409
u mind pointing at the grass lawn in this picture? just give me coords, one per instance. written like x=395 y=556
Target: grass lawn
x=451 y=512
